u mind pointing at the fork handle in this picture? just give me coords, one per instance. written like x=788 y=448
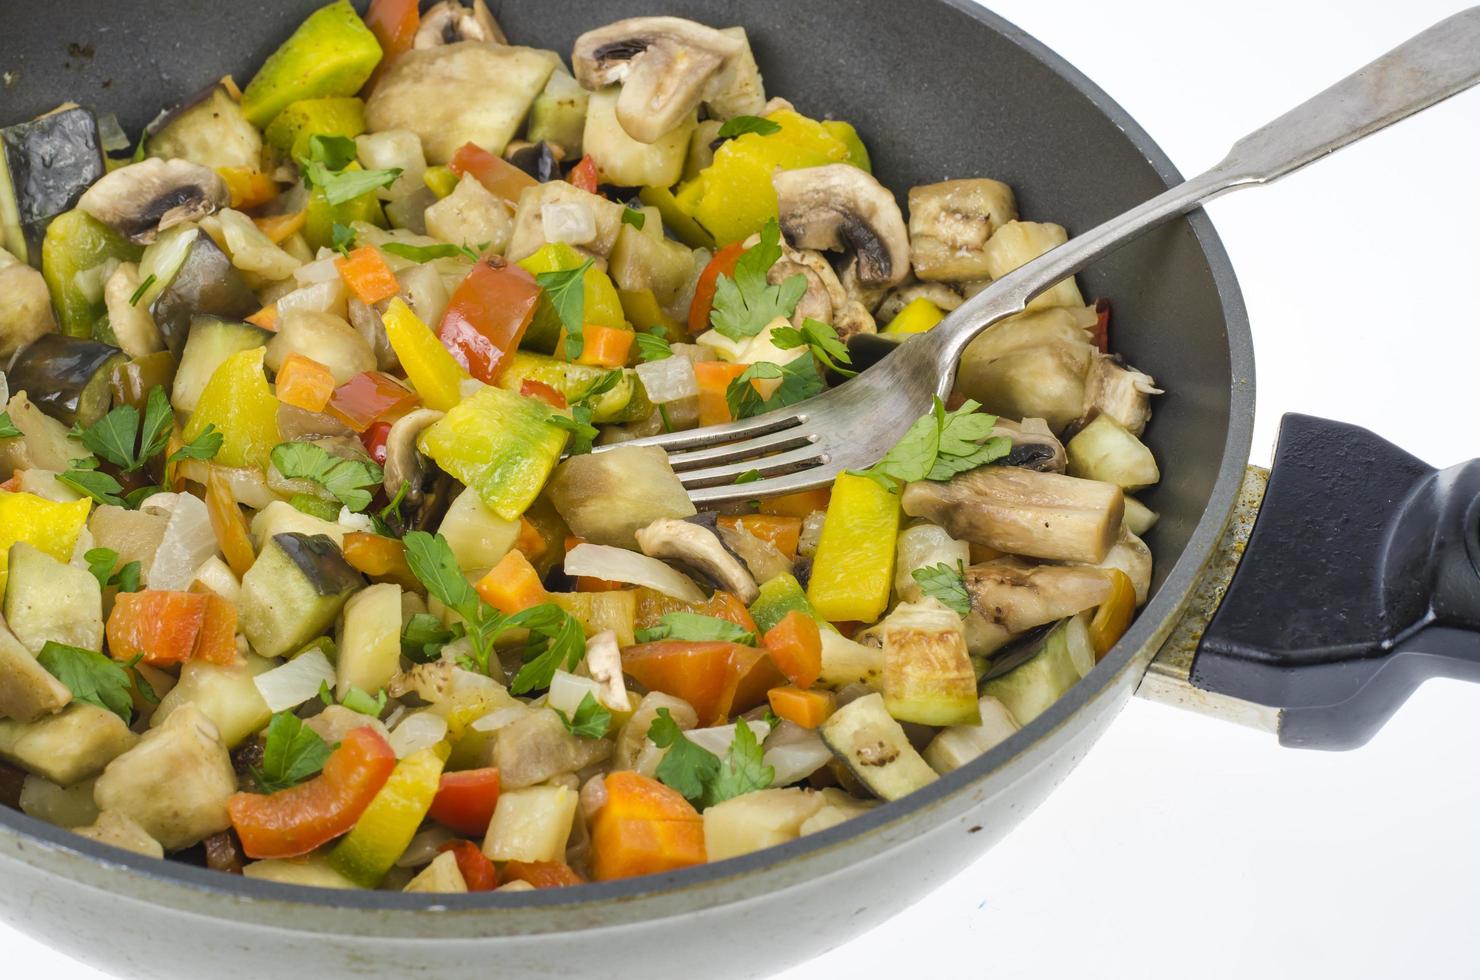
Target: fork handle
x=1430 y=67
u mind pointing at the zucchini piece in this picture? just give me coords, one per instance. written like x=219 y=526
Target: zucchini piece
x=600 y=611
x=875 y=749
x=45 y=165
x=779 y=596
x=208 y=343
x=956 y=746
x=1107 y=451
x=558 y=114
x=66 y=748
x=204 y=283
x=928 y=676
x=624 y=161
x=49 y=600
x=1066 y=655
x=78 y=255
x=641 y=260
x=67 y=377
x=602 y=304
x=293 y=591
x=28 y=692
x=210 y=129
x=626 y=401
x=369 y=640
x=331 y=53
x=757 y=820
x=846 y=661
x=226 y=694
x=333 y=116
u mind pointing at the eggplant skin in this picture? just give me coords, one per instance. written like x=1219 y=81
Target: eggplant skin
x=67 y=377
x=206 y=285
x=49 y=161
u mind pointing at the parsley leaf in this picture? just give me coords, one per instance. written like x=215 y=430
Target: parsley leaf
x=433 y=564
x=138 y=294
x=424 y=637
x=821 y=339
x=653 y=346
x=100 y=562
x=946 y=584
x=940 y=445
x=388 y=521
x=799 y=381
x=333 y=152
x=90 y=676
x=633 y=217
x=696 y=628
x=744 y=303
x=345 y=479
x=686 y=767
x=204 y=446
x=578 y=422
x=591 y=719
x=342 y=238
x=83 y=476
x=328 y=168
x=566 y=290
x=558 y=642
x=291 y=753
x=113 y=436
x=7 y=427
x=357 y=700
x=743 y=770
x=740 y=125
x=159 y=422
x=749 y=476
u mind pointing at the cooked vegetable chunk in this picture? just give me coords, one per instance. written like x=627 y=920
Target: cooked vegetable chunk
x=50 y=601
x=45 y=165
x=607 y=497
x=293 y=592
x=873 y=746
x=331 y=53
x=67 y=747
x=27 y=691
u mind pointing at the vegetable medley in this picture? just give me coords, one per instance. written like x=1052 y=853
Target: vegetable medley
x=322 y=558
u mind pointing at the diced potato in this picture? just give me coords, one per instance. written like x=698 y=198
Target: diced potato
x=121 y=830
x=325 y=338
x=61 y=806
x=68 y=747
x=531 y=824
x=470 y=215
x=837 y=806
x=281 y=517
x=225 y=695
x=756 y=820
x=621 y=159
x=370 y=639
x=477 y=536
x=441 y=875
x=313 y=870
x=46 y=599
x=28 y=692
x=607 y=497
x=1018 y=242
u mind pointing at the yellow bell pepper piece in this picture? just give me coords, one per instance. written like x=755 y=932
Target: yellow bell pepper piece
x=431 y=369
x=601 y=304
x=390 y=821
x=854 y=565
x=440 y=180
x=918 y=316
x=50 y=526
x=239 y=402
x=857 y=152
x=676 y=216
x=642 y=310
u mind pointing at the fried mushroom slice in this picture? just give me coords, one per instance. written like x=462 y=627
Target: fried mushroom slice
x=698 y=548
x=1118 y=390
x=449 y=22
x=840 y=207
x=1010 y=596
x=664 y=65
x=142 y=199
x=950 y=223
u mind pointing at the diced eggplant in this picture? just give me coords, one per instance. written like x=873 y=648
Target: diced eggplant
x=78 y=256
x=640 y=260
x=60 y=806
x=607 y=497
x=470 y=214
x=1016 y=243
x=531 y=824
x=48 y=600
x=44 y=443
x=757 y=820
x=45 y=165
x=67 y=747
x=537 y=748
x=326 y=338
x=210 y=341
x=1105 y=450
x=874 y=747
x=223 y=693
x=193 y=278
x=558 y=114
x=118 y=829
x=956 y=746
x=370 y=639
x=133 y=381
x=928 y=676
x=846 y=662
x=1064 y=657
x=25 y=306
x=210 y=129
x=67 y=377
x=1032 y=365
x=28 y=692
x=540 y=160
x=529 y=225
x=293 y=591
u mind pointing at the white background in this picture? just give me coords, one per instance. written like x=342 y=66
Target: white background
x=1183 y=847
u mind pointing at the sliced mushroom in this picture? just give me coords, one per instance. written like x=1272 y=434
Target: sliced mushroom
x=604 y=662
x=698 y=548
x=950 y=223
x=1115 y=389
x=869 y=297
x=1024 y=512
x=762 y=559
x=449 y=22
x=404 y=464
x=1010 y=596
x=663 y=63
x=938 y=293
x=142 y=199
x=1034 y=445
x=840 y=207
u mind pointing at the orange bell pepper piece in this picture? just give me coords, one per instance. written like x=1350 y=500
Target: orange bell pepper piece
x=782 y=532
x=294 y=821
x=162 y=626
x=808 y=709
x=530 y=388
x=227 y=521
x=394 y=24
x=1113 y=617
x=512 y=585
x=248 y=188
x=499 y=176
x=542 y=874
x=465 y=800
x=304 y=383
x=487 y=316
x=366 y=273
x=281 y=227
x=477 y=871
x=266 y=318
x=752 y=674
x=652 y=606
x=723 y=263
x=217 y=641
x=369 y=398
x=530 y=543
x=797 y=504
x=698 y=672
x=795 y=644
x=382 y=559
x=644 y=828
x=714 y=380
x=583 y=175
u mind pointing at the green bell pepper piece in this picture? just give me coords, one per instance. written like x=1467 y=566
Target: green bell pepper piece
x=74 y=254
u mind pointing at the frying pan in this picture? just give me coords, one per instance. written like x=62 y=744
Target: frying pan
x=939 y=89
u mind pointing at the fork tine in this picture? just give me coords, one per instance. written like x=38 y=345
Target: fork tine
x=744 y=449
x=806 y=479
x=715 y=434
x=778 y=465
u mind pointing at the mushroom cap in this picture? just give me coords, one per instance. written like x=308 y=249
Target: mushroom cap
x=142 y=199
x=449 y=22
x=663 y=63
x=697 y=547
x=402 y=458
x=841 y=207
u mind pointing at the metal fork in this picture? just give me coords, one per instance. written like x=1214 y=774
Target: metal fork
x=853 y=425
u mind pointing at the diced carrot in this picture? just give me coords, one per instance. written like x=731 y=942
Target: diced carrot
x=477 y=871
x=217 y=641
x=530 y=542
x=806 y=708
x=796 y=504
x=304 y=383
x=714 y=381
x=583 y=174
x=227 y=521
x=782 y=532
x=365 y=272
x=266 y=318
x=281 y=227
x=698 y=672
x=542 y=874
x=644 y=828
x=606 y=347
x=248 y=188
x=795 y=644
x=530 y=388
x=512 y=585
x=162 y=626
x=382 y=559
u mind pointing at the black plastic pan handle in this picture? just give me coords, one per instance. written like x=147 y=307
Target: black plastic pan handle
x=1361 y=580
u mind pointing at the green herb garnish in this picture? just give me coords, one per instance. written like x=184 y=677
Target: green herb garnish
x=697 y=629
x=700 y=775
x=946 y=584
x=940 y=445
x=138 y=294
x=821 y=339
x=591 y=719
x=799 y=381
x=745 y=303
x=345 y=479
x=91 y=677
x=291 y=753
x=566 y=290
x=740 y=125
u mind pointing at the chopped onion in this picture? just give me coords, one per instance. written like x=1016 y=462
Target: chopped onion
x=188 y=541
x=501 y=718
x=351 y=521
x=718 y=738
x=567 y=691
x=424 y=846
x=328 y=296
x=217 y=576
x=418 y=730
x=572 y=222
x=669 y=380
x=252 y=250
x=248 y=485
x=621 y=565
x=811 y=533
x=319 y=270
x=795 y=753
x=300 y=679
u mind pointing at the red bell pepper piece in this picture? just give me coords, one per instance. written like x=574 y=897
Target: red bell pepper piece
x=161 y=626
x=583 y=174
x=394 y=24
x=487 y=316
x=477 y=871
x=465 y=800
x=374 y=440
x=543 y=874
x=530 y=388
x=1100 y=335
x=499 y=176
x=369 y=398
x=723 y=263
x=294 y=821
